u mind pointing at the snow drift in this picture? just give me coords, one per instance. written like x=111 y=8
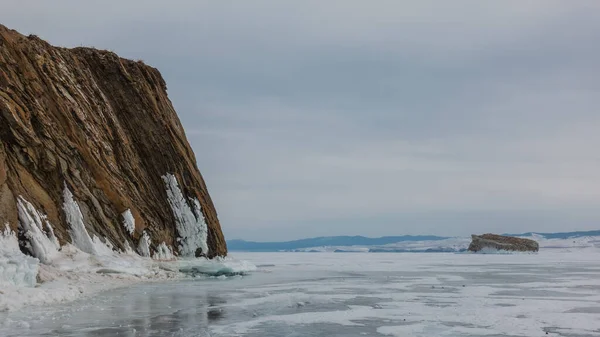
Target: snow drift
x=89 y=264
x=16 y=268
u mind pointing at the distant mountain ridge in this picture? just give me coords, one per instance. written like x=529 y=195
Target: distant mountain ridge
x=347 y=241
x=242 y=245
x=562 y=235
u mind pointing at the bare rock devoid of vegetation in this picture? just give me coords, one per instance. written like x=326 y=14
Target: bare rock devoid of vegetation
x=83 y=128
x=501 y=242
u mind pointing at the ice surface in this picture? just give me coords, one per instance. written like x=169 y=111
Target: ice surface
x=41 y=242
x=553 y=293
x=425 y=295
x=128 y=221
x=191 y=226
x=79 y=235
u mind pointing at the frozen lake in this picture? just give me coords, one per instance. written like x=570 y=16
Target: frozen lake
x=347 y=294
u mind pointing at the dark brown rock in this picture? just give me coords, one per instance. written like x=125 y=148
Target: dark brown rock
x=103 y=126
x=501 y=242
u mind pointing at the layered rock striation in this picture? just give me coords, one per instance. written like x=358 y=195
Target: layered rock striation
x=500 y=242
x=92 y=150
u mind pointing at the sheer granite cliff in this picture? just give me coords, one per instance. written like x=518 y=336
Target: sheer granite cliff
x=87 y=122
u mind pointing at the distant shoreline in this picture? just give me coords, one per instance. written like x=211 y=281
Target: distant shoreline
x=398 y=244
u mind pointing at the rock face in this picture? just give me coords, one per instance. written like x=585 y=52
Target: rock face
x=500 y=242
x=85 y=122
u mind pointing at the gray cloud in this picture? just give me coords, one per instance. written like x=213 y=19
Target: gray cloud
x=352 y=117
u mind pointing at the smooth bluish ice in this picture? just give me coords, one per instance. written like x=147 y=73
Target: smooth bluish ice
x=553 y=293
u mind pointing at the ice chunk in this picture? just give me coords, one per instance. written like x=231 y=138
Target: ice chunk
x=16 y=268
x=163 y=253
x=191 y=226
x=128 y=221
x=144 y=245
x=215 y=267
x=79 y=235
x=42 y=244
x=8 y=240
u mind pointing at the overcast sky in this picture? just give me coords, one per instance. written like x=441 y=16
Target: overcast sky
x=373 y=118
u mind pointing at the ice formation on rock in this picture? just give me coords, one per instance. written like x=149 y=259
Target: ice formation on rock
x=128 y=249
x=16 y=268
x=102 y=248
x=144 y=245
x=41 y=243
x=190 y=222
x=79 y=235
x=163 y=253
x=128 y=221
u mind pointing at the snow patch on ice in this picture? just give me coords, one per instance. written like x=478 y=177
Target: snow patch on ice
x=79 y=235
x=16 y=268
x=128 y=221
x=144 y=245
x=73 y=274
x=191 y=226
x=41 y=243
x=163 y=253
x=420 y=329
